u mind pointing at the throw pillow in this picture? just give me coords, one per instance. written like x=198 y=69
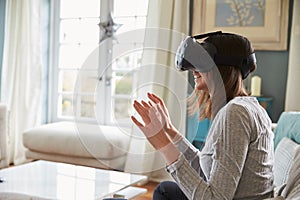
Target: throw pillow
x=284 y=155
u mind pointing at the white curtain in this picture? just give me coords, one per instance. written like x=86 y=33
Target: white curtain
x=167 y=26
x=293 y=81
x=21 y=76
x=4 y=153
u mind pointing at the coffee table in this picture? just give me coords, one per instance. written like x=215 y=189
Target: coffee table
x=52 y=180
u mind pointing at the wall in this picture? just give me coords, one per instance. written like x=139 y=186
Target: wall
x=2 y=20
x=273 y=67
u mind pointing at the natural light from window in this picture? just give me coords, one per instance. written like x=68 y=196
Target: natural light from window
x=76 y=33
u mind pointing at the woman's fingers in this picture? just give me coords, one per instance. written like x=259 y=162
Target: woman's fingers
x=139 y=107
x=158 y=100
x=145 y=104
x=149 y=111
x=139 y=124
x=153 y=98
x=142 y=111
x=160 y=110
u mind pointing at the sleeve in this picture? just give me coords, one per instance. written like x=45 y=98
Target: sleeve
x=230 y=151
x=191 y=154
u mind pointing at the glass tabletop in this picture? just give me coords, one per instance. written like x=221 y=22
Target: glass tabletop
x=51 y=180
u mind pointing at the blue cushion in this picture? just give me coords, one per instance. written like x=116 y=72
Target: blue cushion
x=288 y=126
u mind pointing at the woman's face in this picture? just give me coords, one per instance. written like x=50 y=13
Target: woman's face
x=200 y=83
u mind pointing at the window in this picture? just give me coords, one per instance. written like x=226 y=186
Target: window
x=90 y=81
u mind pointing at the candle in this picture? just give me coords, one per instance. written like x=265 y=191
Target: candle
x=255 y=86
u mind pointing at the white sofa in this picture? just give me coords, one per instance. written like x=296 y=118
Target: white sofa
x=287 y=169
x=287 y=156
x=78 y=143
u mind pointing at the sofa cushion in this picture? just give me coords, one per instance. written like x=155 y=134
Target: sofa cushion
x=284 y=154
x=292 y=189
x=111 y=163
x=78 y=140
x=288 y=126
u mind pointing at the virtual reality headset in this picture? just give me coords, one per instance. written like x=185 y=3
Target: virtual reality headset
x=202 y=57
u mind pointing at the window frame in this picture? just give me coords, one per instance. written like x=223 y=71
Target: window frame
x=53 y=61
x=107 y=118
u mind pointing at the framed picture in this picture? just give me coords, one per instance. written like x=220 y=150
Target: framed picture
x=263 y=22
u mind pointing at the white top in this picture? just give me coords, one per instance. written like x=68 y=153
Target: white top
x=237 y=159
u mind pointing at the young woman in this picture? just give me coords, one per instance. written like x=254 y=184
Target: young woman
x=237 y=159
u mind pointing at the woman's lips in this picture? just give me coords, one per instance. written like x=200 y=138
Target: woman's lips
x=196 y=75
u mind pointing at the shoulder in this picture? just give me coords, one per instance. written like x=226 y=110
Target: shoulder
x=240 y=106
x=240 y=111
x=242 y=103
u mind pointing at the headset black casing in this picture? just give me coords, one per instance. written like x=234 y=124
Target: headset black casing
x=203 y=56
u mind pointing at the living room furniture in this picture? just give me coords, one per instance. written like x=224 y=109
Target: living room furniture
x=287 y=156
x=52 y=180
x=4 y=152
x=57 y=141
x=85 y=144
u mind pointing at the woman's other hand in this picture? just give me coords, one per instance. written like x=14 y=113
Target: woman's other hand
x=153 y=128
x=168 y=126
x=152 y=125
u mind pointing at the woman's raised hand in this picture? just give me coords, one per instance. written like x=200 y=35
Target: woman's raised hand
x=156 y=120
x=153 y=123
x=162 y=108
x=168 y=126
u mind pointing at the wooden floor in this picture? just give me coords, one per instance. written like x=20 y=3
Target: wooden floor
x=150 y=186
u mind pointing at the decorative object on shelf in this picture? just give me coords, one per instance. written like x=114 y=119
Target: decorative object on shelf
x=256 y=86
x=265 y=23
